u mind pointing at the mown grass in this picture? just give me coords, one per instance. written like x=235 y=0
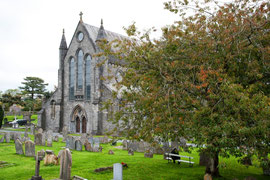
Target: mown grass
x=84 y=163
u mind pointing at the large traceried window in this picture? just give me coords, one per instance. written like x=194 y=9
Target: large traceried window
x=71 y=78
x=88 y=77
x=80 y=70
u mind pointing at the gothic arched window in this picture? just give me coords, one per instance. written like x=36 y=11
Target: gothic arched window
x=88 y=77
x=52 y=109
x=80 y=70
x=71 y=78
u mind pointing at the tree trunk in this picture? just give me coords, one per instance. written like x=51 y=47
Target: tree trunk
x=212 y=166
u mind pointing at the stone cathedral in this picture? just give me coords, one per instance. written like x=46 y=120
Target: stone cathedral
x=77 y=101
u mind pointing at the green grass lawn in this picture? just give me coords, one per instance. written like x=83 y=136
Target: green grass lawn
x=11 y=118
x=84 y=163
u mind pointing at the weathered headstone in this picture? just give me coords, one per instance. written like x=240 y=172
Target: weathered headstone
x=38 y=139
x=87 y=146
x=29 y=148
x=68 y=140
x=65 y=164
x=49 y=140
x=78 y=145
x=83 y=137
x=131 y=152
x=148 y=155
x=43 y=140
x=72 y=142
x=64 y=133
x=17 y=136
x=104 y=140
x=32 y=127
x=40 y=130
x=19 y=147
x=124 y=143
x=51 y=159
x=7 y=137
x=117 y=171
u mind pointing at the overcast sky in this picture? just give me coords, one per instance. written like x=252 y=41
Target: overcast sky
x=31 y=30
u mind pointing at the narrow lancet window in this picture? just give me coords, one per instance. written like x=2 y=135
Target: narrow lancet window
x=88 y=77
x=80 y=70
x=71 y=78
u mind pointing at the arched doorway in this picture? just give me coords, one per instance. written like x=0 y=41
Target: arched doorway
x=78 y=122
x=84 y=123
x=78 y=125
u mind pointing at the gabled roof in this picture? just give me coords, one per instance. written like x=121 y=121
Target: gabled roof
x=110 y=36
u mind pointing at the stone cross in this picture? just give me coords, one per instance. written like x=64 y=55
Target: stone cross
x=65 y=164
x=81 y=16
x=39 y=157
x=117 y=171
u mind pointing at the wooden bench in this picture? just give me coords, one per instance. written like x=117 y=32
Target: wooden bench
x=170 y=155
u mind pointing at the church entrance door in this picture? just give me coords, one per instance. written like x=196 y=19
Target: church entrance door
x=78 y=125
x=84 y=125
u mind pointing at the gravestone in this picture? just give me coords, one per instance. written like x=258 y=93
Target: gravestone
x=43 y=140
x=64 y=133
x=72 y=142
x=100 y=148
x=39 y=139
x=17 y=136
x=175 y=144
x=68 y=140
x=40 y=130
x=32 y=127
x=7 y=137
x=78 y=145
x=131 y=152
x=39 y=158
x=55 y=138
x=96 y=141
x=87 y=146
x=19 y=147
x=148 y=154
x=49 y=141
x=91 y=141
x=117 y=171
x=2 y=139
x=29 y=148
x=83 y=137
x=111 y=152
x=104 y=140
x=159 y=150
x=65 y=164
x=141 y=147
x=124 y=143
x=26 y=131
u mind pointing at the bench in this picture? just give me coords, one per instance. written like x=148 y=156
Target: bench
x=170 y=155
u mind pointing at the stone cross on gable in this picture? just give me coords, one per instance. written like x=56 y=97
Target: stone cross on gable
x=81 y=16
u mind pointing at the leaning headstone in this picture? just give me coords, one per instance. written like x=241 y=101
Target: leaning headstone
x=87 y=146
x=7 y=137
x=72 y=142
x=78 y=145
x=65 y=164
x=29 y=148
x=38 y=139
x=19 y=147
x=131 y=152
x=117 y=171
x=49 y=141
x=43 y=140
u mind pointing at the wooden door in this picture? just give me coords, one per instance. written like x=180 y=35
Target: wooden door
x=84 y=123
x=78 y=125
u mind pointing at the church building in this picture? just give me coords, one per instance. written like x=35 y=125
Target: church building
x=77 y=102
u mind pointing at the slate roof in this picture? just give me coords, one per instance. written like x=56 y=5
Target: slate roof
x=96 y=33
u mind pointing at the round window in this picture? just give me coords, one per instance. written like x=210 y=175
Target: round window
x=80 y=36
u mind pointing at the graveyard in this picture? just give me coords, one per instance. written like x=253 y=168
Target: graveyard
x=18 y=162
